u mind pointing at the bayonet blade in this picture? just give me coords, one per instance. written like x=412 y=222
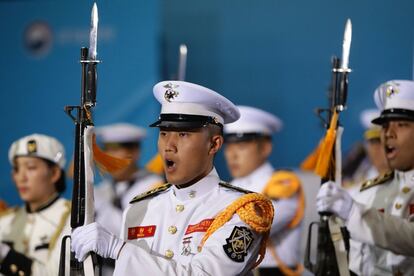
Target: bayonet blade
x=93 y=35
x=346 y=45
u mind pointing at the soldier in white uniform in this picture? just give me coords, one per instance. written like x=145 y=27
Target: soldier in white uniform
x=30 y=235
x=374 y=163
x=380 y=218
x=113 y=195
x=196 y=225
x=248 y=145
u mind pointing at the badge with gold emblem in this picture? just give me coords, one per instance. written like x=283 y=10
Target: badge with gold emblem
x=31 y=146
x=170 y=93
x=391 y=89
x=240 y=240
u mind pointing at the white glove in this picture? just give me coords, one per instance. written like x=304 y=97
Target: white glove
x=4 y=250
x=334 y=199
x=93 y=237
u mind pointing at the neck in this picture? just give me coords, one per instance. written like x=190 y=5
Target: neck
x=35 y=206
x=195 y=180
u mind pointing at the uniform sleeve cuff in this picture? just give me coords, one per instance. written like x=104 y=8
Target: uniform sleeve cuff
x=16 y=264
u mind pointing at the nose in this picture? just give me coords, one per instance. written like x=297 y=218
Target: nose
x=171 y=142
x=389 y=130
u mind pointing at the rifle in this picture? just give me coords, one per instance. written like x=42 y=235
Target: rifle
x=327 y=165
x=82 y=212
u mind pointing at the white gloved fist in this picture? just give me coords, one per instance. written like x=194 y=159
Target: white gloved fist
x=334 y=199
x=93 y=237
x=4 y=250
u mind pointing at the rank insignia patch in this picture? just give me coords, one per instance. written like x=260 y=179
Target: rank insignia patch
x=240 y=240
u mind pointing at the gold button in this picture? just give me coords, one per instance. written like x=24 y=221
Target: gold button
x=172 y=229
x=179 y=208
x=21 y=273
x=192 y=194
x=13 y=268
x=398 y=206
x=169 y=253
x=406 y=190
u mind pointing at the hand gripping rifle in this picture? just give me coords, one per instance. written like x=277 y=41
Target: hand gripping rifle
x=329 y=258
x=82 y=212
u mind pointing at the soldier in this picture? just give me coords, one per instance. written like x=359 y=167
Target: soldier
x=248 y=145
x=113 y=195
x=380 y=218
x=30 y=235
x=374 y=162
x=196 y=225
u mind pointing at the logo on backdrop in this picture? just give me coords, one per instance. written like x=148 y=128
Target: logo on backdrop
x=38 y=38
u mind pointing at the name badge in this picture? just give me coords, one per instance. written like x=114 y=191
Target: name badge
x=138 y=232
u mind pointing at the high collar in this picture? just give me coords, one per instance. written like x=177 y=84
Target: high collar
x=407 y=177
x=264 y=170
x=49 y=203
x=202 y=187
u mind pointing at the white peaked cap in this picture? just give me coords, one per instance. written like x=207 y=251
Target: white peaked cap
x=120 y=133
x=185 y=104
x=395 y=99
x=41 y=146
x=367 y=116
x=254 y=120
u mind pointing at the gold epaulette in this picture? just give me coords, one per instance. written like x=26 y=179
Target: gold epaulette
x=151 y=193
x=381 y=179
x=231 y=187
x=282 y=184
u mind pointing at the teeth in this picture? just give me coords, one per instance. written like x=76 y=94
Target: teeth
x=170 y=163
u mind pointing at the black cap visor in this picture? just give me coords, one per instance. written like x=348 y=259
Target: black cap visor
x=394 y=114
x=184 y=121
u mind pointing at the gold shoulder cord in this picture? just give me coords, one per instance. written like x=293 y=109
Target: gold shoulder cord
x=255 y=210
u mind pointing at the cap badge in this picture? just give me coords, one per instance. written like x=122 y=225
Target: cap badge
x=170 y=93
x=31 y=146
x=391 y=89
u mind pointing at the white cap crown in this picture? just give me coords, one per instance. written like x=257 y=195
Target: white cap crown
x=39 y=145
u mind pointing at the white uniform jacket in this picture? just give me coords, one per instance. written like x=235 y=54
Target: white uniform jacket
x=286 y=241
x=112 y=198
x=381 y=226
x=163 y=232
x=34 y=238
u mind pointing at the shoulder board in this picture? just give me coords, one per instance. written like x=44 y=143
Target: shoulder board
x=231 y=187
x=377 y=181
x=8 y=211
x=151 y=193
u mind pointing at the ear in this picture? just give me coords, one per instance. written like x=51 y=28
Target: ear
x=266 y=149
x=216 y=142
x=56 y=172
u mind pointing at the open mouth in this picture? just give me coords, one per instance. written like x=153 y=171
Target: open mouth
x=390 y=151
x=170 y=165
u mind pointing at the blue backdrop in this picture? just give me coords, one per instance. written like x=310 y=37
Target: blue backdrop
x=40 y=72
x=271 y=54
